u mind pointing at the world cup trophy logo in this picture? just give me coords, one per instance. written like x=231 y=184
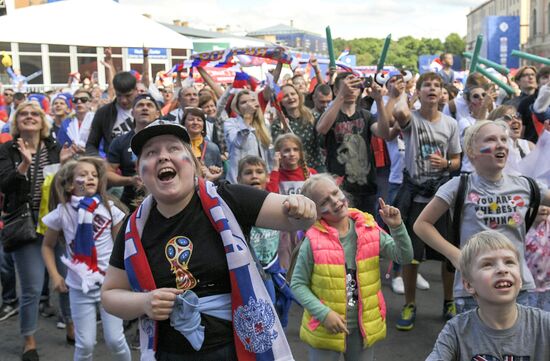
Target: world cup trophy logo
x=178 y=252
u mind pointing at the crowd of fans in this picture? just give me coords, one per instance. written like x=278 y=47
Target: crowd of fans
x=114 y=180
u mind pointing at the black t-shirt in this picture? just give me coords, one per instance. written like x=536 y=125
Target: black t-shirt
x=120 y=153
x=349 y=152
x=206 y=265
x=524 y=108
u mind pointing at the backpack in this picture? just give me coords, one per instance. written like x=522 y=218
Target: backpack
x=461 y=196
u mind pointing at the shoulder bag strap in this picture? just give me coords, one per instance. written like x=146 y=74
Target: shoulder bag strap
x=457 y=212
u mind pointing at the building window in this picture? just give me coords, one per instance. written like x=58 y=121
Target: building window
x=87 y=66
x=179 y=52
x=86 y=49
x=36 y=48
x=534 y=23
x=59 y=48
x=60 y=67
x=31 y=64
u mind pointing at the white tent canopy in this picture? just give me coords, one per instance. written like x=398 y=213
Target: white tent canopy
x=88 y=23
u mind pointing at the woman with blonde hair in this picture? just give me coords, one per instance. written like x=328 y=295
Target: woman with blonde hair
x=22 y=161
x=246 y=134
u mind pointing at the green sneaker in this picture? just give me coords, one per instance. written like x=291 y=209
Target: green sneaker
x=408 y=316
x=449 y=310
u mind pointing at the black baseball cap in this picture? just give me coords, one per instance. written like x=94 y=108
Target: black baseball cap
x=156 y=128
x=140 y=97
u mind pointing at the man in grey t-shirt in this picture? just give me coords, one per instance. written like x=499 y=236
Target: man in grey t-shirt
x=432 y=150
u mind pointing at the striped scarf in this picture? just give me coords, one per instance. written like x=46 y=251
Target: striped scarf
x=84 y=242
x=257 y=331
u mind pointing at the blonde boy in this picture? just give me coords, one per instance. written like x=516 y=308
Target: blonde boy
x=499 y=328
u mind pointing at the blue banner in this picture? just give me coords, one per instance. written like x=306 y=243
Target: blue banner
x=501 y=34
x=154 y=53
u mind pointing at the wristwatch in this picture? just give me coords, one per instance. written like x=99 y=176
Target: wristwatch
x=449 y=164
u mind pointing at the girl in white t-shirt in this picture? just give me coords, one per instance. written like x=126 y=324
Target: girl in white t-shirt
x=88 y=221
x=493 y=200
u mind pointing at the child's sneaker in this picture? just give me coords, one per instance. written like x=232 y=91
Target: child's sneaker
x=449 y=310
x=397 y=285
x=408 y=316
x=421 y=283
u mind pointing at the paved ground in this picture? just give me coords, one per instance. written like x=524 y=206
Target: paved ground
x=412 y=345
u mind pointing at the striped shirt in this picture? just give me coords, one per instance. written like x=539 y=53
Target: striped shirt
x=42 y=162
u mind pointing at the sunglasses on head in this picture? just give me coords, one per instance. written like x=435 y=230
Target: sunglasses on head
x=80 y=100
x=26 y=113
x=479 y=96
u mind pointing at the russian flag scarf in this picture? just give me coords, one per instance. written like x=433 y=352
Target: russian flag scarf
x=84 y=242
x=84 y=259
x=257 y=330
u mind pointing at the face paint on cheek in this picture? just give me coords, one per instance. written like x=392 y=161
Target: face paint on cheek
x=325 y=210
x=486 y=150
x=184 y=158
x=341 y=197
x=187 y=159
x=80 y=182
x=144 y=167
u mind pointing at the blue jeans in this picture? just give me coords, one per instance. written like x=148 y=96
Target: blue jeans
x=354 y=350
x=393 y=188
x=83 y=310
x=30 y=269
x=64 y=304
x=464 y=304
x=7 y=276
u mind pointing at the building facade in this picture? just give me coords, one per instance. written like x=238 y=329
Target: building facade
x=289 y=36
x=476 y=17
x=538 y=42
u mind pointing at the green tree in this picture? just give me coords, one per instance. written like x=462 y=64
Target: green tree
x=403 y=53
x=455 y=44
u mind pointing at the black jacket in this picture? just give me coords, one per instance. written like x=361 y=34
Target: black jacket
x=102 y=129
x=15 y=186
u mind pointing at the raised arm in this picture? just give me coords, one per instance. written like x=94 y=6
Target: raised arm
x=287 y=213
x=145 y=78
x=110 y=72
x=268 y=92
x=396 y=105
x=329 y=116
x=384 y=127
x=315 y=64
x=211 y=83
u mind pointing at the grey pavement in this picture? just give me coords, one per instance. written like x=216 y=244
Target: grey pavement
x=411 y=345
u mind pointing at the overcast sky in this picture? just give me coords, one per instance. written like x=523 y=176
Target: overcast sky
x=347 y=18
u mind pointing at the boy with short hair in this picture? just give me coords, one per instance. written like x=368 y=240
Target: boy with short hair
x=252 y=171
x=499 y=329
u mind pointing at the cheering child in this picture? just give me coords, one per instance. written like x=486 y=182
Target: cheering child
x=491 y=200
x=337 y=273
x=88 y=220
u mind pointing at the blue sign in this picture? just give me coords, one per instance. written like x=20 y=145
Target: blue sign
x=154 y=53
x=501 y=36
